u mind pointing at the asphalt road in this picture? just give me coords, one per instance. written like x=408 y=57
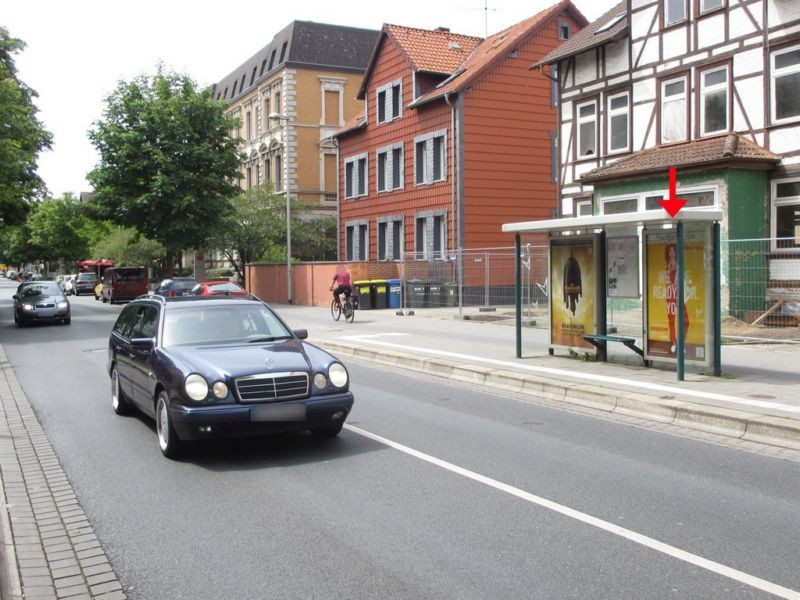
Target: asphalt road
x=432 y=491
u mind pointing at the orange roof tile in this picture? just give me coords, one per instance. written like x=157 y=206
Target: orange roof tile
x=432 y=51
x=492 y=49
x=352 y=124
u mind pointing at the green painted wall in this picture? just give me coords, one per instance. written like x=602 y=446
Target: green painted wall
x=747 y=212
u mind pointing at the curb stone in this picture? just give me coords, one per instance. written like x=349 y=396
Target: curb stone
x=774 y=431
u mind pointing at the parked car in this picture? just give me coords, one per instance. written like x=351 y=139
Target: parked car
x=84 y=283
x=12 y=275
x=40 y=301
x=219 y=367
x=123 y=283
x=176 y=286
x=218 y=287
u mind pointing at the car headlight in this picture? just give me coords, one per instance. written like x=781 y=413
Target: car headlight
x=338 y=375
x=196 y=387
x=63 y=304
x=220 y=390
x=27 y=306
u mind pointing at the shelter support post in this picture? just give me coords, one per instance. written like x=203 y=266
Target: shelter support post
x=681 y=309
x=717 y=300
x=518 y=292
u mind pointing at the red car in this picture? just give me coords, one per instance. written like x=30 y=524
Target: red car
x=218 y=287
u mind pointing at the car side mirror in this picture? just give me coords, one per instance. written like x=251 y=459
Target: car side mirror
x=300 y=334
x=142 y=343
x=14 y=296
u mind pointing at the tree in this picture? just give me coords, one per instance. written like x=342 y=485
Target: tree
x=255 y=228
x=127 y=248
x=22 y=138
x=55 y=230
x=167 y=164
x=314 y=238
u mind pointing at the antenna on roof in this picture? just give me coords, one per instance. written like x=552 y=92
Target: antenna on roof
x=486 y=10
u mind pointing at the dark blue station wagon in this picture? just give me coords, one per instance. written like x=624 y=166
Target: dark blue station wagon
x=222 y=366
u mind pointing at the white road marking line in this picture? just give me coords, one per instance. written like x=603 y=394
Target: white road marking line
x=591 y=377
x=638 y=538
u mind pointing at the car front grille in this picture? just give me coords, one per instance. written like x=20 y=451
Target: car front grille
x=45 y=305
x=270 y=387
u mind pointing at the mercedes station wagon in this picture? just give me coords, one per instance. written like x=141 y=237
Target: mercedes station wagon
x=222 y=366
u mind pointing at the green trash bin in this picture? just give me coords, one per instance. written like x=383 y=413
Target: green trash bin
x=380 y=293
x=450 y=293
x=364 y=291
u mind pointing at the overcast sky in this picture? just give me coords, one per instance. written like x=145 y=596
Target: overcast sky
x=78 y=50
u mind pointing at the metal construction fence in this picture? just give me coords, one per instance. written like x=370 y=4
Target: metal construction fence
x=760 y=287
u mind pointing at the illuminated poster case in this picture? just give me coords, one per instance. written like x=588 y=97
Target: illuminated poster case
x=573 y=291
x=661 y=296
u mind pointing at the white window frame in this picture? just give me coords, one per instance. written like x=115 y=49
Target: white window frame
x=683 y=98
x=581 y=121
x=776 y=73
x=611 y=113
x=428 y=167
x=712 y=90
x=389 y=107
x=704 y=9
x=672 y=21
x=354 y=160
x=582 y=204
x=774 y=204
x=387 y=185
x=642 y=196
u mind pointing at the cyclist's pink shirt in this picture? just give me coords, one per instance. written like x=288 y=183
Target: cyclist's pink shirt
x=343 y=279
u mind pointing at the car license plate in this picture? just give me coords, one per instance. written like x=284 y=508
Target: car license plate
x=278 y=412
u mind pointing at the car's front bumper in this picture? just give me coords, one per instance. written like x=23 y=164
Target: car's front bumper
x=239 y=420
x=43 y=315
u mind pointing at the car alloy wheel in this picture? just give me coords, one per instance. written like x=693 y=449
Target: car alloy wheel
x=169 y=442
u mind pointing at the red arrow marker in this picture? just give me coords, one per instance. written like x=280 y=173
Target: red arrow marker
x=672 y=205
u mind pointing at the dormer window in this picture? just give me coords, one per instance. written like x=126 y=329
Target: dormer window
x=563 y=30
x=389 y=99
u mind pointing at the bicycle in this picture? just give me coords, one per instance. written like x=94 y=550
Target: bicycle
x=337 y=309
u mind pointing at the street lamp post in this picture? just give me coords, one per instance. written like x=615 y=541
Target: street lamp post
x=285 y=165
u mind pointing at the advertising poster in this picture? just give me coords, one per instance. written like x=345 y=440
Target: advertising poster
x=662 y=296
x=623 y=267
x=572 y=292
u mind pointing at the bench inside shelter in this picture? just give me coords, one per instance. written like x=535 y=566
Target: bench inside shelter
x=600 y=342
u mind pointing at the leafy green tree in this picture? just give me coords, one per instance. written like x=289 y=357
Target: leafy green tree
x=55 y=230
x=254 y=229
x=127 y=248
x=15 y=248
x=313 y=239
x=22 y=138
x=167 y=163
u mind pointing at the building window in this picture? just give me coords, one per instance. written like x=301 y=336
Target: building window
x=390 y=168
x=355 y=176
x=383 y=241
x=389 y=100
x=587 y=129
x=356 y=241
x=439 y=236
x=278 y=172
x=390 y=230
x=267 y=167
x=674 y=11
x=583 y=208
x=714 y=101
x=625 y=205
x=431 y=236
x=419 y=245
x=786 y=214
x=397 y=239
x=563 y=30
x=706 y=5
x=618 y=116
x=786 y=84
x=430 y=158
x=249 y=177
x=650 y=200
x=673 y=110
x=248 y=125
x=283 y=52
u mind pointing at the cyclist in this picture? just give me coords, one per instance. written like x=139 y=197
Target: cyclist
x=341 y=284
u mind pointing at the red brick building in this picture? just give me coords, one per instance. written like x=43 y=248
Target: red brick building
x=458 y=137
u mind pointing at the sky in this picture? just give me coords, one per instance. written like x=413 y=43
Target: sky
x=76 y=51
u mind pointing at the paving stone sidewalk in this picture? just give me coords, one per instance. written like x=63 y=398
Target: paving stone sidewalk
x=48 y=549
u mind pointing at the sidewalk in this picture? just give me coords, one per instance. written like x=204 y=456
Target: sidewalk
x=48 y=549
x=757 y=398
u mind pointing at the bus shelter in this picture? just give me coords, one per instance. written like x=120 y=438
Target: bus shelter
x=672 y=264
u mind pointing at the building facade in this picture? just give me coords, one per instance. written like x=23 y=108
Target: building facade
x=711 y=87
x=456 y=138
x=307 y=77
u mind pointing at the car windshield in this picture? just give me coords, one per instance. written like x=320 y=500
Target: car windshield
x=45 y=288
x=197 y=325
x=87 y=277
